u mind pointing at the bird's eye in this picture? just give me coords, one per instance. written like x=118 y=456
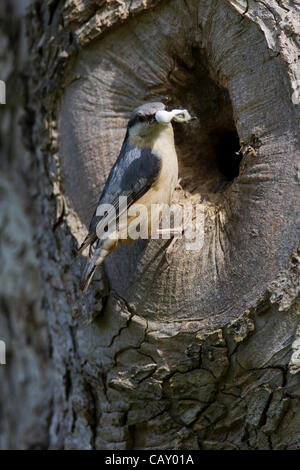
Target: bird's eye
x=146 y=119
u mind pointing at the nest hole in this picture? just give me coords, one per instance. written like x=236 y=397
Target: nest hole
x=208 y=148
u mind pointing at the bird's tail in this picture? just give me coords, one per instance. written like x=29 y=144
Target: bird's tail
x=90 y=265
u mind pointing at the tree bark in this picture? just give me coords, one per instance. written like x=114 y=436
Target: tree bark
x=199 y=350
x=25 y=386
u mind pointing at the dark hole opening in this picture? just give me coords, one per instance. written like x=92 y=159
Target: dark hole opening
x=228 y=154
x=208 y=148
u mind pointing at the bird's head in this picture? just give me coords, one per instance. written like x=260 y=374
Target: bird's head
x=147 y=121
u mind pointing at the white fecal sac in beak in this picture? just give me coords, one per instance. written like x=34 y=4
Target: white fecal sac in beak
x=179 y=115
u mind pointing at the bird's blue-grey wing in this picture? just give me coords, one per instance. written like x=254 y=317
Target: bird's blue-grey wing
x=134 y=172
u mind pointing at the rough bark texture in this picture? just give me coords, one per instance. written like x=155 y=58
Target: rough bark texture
x=25 y=393
x=201 y=352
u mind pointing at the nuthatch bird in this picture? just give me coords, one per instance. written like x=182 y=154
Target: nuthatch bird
x=146 y=172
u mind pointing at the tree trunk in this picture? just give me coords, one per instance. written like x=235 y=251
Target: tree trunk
x=25 y=396
x=198 y=349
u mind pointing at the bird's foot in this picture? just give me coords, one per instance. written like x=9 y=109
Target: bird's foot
x=178 y=185
x=170 y=231
x=174 y=234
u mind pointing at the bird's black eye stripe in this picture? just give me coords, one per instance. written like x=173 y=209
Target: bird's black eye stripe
x=140 y=118
x=145 y=118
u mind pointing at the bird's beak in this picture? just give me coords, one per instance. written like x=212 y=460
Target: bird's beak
x=179 y=115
